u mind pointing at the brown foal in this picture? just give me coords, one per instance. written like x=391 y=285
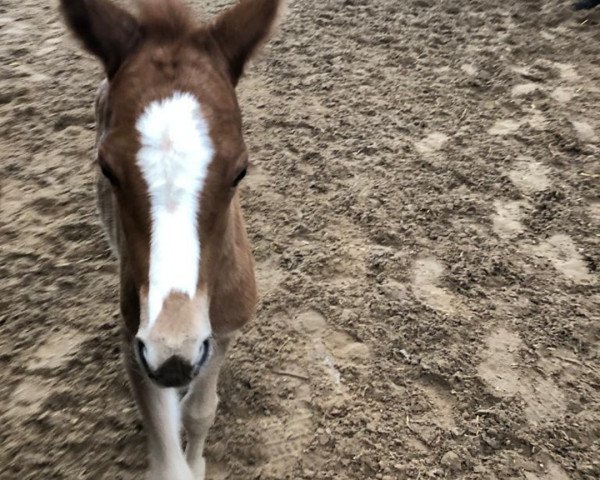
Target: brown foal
x=170 y=154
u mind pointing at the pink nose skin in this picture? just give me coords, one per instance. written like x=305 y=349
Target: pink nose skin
x=175 y=372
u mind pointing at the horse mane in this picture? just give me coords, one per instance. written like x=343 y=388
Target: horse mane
x=165 y=18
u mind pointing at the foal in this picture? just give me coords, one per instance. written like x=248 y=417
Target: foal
x=171 y=154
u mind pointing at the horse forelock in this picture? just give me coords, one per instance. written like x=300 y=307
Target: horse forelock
x=166 y=18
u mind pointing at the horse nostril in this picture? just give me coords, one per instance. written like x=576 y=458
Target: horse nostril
x=204 y=353
x=141 y=353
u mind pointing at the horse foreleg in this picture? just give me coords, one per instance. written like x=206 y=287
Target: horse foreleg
x=199 y=409
x=161 y=415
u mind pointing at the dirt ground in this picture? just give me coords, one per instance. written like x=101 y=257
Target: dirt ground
x=424 y=207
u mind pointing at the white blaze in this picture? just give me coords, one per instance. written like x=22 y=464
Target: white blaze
x=174 y=157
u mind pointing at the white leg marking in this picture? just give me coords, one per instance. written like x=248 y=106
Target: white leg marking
x=161 y=413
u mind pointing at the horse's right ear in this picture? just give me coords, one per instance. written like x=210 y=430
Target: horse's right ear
x=107 y=31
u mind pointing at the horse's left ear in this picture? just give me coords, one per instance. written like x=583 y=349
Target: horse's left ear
x=242 y=29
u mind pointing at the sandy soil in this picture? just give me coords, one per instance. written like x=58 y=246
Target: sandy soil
x=425 y=213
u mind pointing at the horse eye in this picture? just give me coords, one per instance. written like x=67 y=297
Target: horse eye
x=109 y=174
x=239 y=177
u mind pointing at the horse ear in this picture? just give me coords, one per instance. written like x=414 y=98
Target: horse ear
x=242 y=29
x=105 y=30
